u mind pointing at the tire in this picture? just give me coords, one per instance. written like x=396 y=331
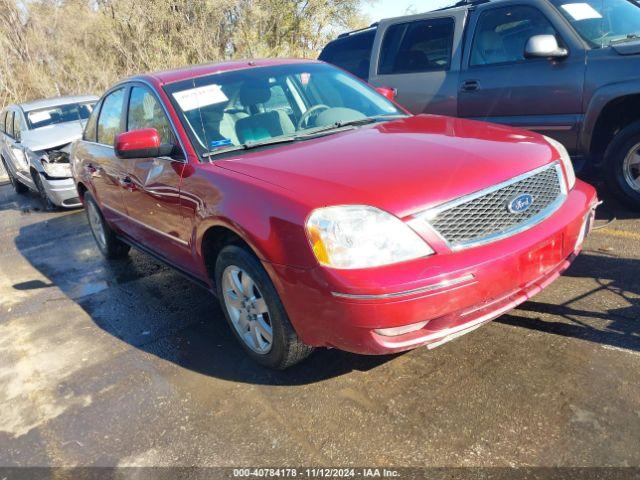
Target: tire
x=621 y=169
x=108 y=243
x=18 y=187
x=47 y=204
x=250 y=320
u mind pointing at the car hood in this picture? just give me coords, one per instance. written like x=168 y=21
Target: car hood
x=52 y=136
x=402 y=166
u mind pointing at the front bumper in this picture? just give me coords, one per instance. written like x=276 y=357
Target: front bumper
x=62 y=192
x=455 y=291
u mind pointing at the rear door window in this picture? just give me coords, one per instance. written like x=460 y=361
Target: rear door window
x=91 y=129
x=9 y=124
x=110 y=120
x=17 y=126
x=3 y=119
x=352 y=53
x=420 y=46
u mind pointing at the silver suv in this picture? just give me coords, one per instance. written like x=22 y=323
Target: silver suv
x=35 y=139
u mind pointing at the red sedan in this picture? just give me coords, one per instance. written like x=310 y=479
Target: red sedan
x=321 y=213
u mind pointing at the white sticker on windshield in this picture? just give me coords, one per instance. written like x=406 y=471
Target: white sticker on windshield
x=581 y=11
x=200 y=97
x=37 y=117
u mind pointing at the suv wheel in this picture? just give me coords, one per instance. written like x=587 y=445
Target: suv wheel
x=622 y=160
x=254 y=311
x=47 y=204
x=18 y=187
x=110 y=246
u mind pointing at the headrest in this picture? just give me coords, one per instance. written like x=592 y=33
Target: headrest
x=491 y=40
x=254 y=93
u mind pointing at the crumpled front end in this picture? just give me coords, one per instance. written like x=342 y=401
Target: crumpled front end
x=54 y=167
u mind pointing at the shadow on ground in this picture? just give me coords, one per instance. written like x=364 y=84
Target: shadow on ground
x=156 y=310
x=617 y=327
x=149 y=306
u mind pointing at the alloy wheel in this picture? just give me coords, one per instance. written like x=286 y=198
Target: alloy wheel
x=247 y=309
x=631 y=168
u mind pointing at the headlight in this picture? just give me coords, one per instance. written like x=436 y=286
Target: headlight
x=359 y=236
x=57 y=170
x=566 y=161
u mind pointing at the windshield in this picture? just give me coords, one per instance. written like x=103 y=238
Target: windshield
x=602 y=23
x=60 y=114
x=260 y=105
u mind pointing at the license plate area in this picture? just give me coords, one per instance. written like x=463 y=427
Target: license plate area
x=543 y=257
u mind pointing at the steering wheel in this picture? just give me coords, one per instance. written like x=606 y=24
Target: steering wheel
x=302 y=123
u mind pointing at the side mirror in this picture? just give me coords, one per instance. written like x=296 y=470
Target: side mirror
x=388 y=92
x=544 y=46
x=143 y=143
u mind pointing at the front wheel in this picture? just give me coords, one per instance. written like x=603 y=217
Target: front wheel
x=254 y=311
x=18 y=187
x=108 y=243
x=47 y=204
x=622 y=163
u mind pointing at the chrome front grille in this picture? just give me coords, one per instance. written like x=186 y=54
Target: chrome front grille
x=486 y=216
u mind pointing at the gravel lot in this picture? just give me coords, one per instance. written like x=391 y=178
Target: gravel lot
x=132 y=365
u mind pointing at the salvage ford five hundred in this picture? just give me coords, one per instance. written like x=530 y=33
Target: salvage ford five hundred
x=320 y=212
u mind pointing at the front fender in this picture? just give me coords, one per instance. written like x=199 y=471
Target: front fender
x=268 y=218
x=600 y=99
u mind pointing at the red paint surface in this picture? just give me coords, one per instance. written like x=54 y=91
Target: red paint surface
x=402 y=167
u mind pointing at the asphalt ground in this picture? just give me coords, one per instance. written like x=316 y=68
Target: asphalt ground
x=129 y=364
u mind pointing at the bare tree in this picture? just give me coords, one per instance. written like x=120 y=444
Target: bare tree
x=54 y=47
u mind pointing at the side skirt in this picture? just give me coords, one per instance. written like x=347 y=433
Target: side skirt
x=163 y=260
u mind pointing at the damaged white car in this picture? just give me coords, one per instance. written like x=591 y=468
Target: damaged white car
x=36 y=138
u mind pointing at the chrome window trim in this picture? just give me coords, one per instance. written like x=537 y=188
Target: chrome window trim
x=142 y=224
x=432 y=213
x=437 y=286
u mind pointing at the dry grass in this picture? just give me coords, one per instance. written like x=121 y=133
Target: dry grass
x=59 y=47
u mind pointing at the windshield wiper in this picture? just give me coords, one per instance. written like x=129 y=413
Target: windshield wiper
x=628 y=38
x=351 y=123
x=250 y=145
x=305 y=135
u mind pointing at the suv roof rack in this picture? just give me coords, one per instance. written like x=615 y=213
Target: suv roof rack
x=461 y=3
x=346 y=34
x=464 y=3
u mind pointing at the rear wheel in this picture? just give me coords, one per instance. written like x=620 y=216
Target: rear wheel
x=18 y=187
x=622 y=160
x=47 y=204
x=254 y=311
x=109 y=245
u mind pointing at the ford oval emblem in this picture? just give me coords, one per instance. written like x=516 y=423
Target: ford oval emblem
x=521 y=203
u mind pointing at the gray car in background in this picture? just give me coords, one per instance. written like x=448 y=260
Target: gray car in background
x=569 y=69
x=35 y=139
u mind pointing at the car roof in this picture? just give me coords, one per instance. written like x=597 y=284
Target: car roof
x=56 y=102
x=177 y=75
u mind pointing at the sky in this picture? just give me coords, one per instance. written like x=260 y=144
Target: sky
x=395 y=8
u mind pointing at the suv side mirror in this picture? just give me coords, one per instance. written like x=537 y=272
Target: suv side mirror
x=387 y=92
x=143 y=143
x=544 y=46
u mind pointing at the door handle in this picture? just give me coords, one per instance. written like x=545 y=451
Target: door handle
x=90 y=168
x=127 y=183
x=470 y=86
